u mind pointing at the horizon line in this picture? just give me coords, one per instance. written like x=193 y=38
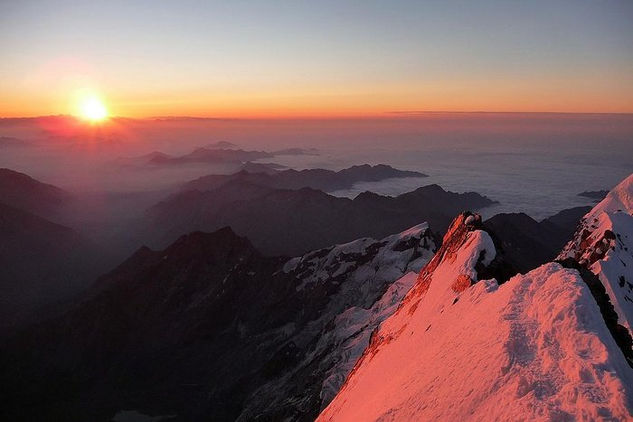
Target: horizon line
x=385 y=114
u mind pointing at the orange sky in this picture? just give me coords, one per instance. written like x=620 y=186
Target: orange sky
x=254 y=59
x=535 y=97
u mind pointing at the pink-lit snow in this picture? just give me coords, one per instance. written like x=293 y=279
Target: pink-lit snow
x=534 y=348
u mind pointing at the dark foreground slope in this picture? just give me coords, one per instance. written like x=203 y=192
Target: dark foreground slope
x=209 y=329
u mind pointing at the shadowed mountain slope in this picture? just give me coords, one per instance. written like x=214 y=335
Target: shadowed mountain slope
x=291 y=222
x=209 y=329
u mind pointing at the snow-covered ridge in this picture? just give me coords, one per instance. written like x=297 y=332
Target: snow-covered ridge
x=534 y=348
x=463 y=248
x=364 y=264
x=394 y=256
x=362 y=283
x=352 y=332
x=603 y=243
x=619 y=199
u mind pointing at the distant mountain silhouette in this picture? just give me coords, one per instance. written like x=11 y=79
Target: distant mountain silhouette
x=221 y=145
x=217 y=153
x=325 y=180
x=24 y=192
x=209 y=155
x=291 y=222
x=41 y=262
x=528 y=243
x=268 y=168
x=597 y=195
x=297 y=151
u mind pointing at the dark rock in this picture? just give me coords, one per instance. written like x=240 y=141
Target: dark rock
x=528 y=243
x=597 y=195
x=320 y=179
x=292 y=222
x=206 y=329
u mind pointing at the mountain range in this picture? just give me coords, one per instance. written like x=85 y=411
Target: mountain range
x=220 y=152
x=214 y=329
x=292 y=222
x=320 y=179
x=63 y=234
x=315 y=307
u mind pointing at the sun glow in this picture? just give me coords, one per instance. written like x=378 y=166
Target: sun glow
x=92 y=109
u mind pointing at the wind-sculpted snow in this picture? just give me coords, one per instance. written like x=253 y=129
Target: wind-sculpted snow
x=603 y=243
x=533 y=348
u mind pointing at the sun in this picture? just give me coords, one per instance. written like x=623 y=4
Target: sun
x=92 y=109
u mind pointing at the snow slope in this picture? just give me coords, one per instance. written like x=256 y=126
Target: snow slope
x=366 y=258
x=352 y=332
x=604 y=244
x=534 y=348
x=362 y=283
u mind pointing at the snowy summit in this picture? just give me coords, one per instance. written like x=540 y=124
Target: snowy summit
x=539 y=346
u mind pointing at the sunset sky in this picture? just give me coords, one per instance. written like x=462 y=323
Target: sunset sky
x=319 y=58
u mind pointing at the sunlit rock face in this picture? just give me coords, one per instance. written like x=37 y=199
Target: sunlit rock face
x=461 y=346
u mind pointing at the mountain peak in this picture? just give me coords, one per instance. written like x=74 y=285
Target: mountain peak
x=507 y=352
x=221 y=241
x=462 y=346
x=619 y=199
x=433 y=187
x=603 y=244
x=466 y=248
